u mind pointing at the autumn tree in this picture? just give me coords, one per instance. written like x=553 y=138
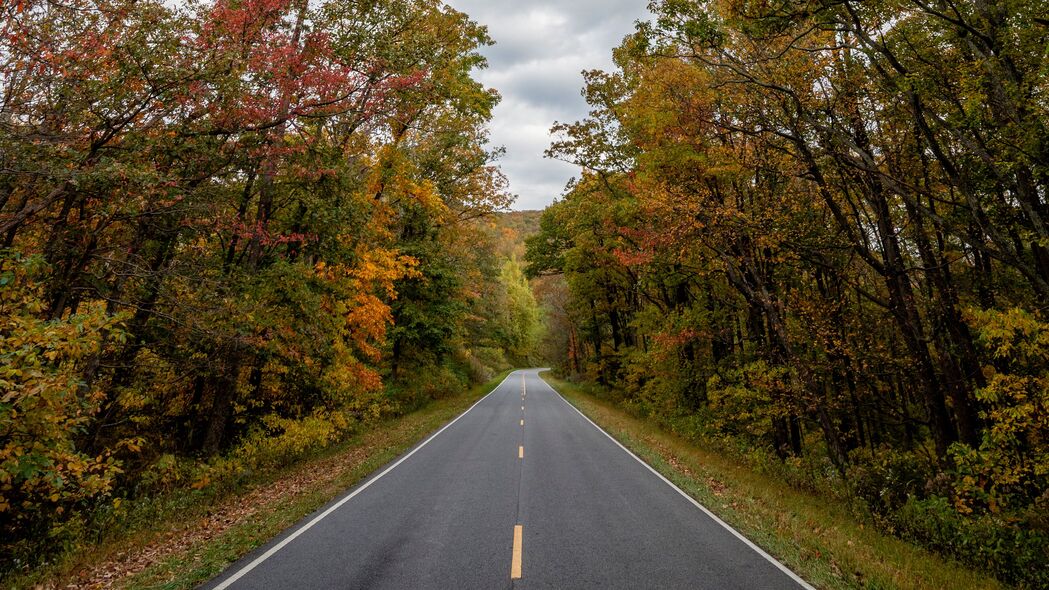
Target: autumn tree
x=223 y=227
x=811 y=226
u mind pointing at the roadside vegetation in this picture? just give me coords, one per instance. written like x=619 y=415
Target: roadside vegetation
x=233 y=234
x=815 y=234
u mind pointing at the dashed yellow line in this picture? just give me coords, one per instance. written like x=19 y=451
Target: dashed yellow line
x=515 y=562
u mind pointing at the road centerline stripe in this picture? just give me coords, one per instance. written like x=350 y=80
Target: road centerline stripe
x=520 y=452
x=515 y=561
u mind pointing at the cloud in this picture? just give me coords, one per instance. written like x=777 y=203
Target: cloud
x=541 y=48
x=543 y=83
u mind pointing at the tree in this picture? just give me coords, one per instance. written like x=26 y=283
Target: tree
x=797 y=224
x=229 y=221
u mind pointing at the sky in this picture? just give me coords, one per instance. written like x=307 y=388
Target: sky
x=541 y=48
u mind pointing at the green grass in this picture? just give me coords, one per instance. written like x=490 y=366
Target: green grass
x=818 y=538
x=202 y=556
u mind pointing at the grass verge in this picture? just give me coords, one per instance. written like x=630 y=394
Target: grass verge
x=193 y=538
x=818 y=538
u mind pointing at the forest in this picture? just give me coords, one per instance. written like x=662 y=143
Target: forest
x=233 y=232
x=816 y=233
x=810 y=234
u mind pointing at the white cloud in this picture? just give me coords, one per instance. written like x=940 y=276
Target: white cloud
x=541 y=48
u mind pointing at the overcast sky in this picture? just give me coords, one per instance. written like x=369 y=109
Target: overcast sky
x=541 y=48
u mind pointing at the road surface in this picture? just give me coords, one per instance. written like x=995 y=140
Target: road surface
x=521 y=491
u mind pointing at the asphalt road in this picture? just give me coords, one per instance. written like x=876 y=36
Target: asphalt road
x=521 y=491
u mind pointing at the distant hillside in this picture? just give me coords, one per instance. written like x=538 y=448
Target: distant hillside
x=513 y=228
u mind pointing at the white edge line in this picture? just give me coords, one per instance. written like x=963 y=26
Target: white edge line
x=272 y=550
x=695 y=503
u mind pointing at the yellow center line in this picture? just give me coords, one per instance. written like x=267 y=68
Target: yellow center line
x=515 y=563
x=522 y=422
x=520 y=452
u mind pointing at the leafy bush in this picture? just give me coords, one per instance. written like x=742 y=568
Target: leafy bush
x=438 y=382
x=1010 y=469
x=44 y=405
x=282 y=441
x=745 y=399
x=1012 y=551
x=481 y=363
x=886 y=479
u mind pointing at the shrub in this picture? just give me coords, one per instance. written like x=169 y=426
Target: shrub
x=746 y=400
x=1011 y=550
x=481 y=363
x=886 y=479
x=283 y=440
x=44 y=405
x=1010 y=468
